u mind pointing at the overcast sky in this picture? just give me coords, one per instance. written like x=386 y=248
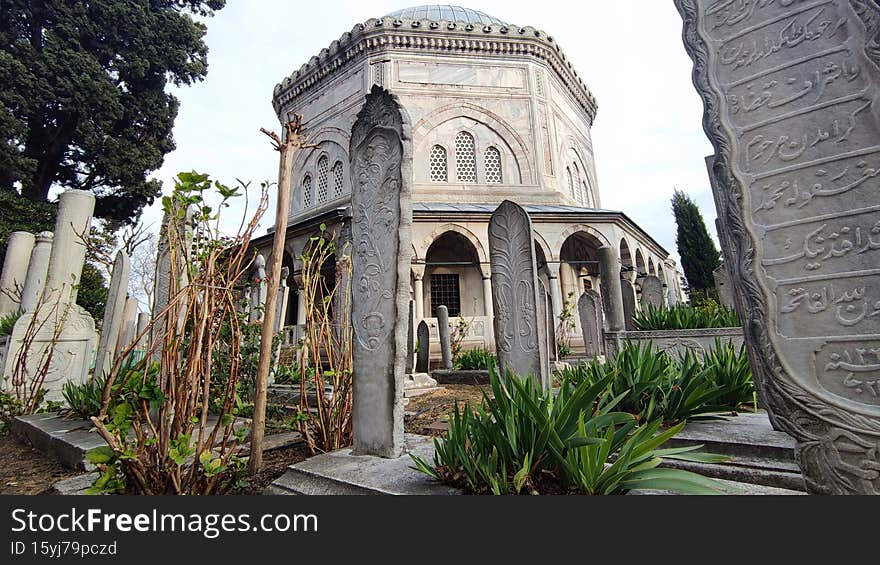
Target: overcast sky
x=648 y=136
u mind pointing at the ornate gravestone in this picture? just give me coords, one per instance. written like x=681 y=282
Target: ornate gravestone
x=381 y=177
x=423 y=359
x=629 y=304
x=652 y=292
x=590 y=313
x=791 y=97
x=516 y=295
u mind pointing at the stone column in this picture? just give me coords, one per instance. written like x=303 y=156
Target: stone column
x=443 y=332
x=75 y=210
x=37 y=271
x=490 y=308
x=555 y=290
x=15 y=267
x=609 y=265
x=487 y=293
x=419 y=293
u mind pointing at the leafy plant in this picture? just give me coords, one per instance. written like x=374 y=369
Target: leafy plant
x=708 y=314
x=478 y=359
x=84 y=399
x=654 y=385
x=325 y=358
x=154 y=413
x=7 y=322
x=729 y=368
x=524 y=439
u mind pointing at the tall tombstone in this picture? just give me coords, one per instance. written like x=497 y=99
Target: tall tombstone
x=652 y=291
x=258 y=289
x=114 y=310
x=590 y=313
x=180 y=229
x=410 y=338
x=723 y=286
x=129 y=324
x=143 y=321
x=381 y=229
x=516 y=295
x=629 y=304
x=791 y=93
x=38 y=269
x=19 y=246
x=445 y=340
x=423 y=358
x=283 y=297
x=672 y=297
x=548 y=333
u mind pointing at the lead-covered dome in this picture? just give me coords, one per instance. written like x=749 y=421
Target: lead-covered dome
x=446 y=13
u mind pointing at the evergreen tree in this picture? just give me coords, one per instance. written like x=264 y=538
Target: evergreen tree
x=82 y=95
x=699 y=256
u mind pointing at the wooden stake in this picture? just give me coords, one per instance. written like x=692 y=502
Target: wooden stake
x=288 y=148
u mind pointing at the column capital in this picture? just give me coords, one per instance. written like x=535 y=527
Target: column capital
x=553 y=269
x=486 y=271
x=418 y=270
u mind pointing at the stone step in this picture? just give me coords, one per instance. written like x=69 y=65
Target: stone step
x=743 y=436
x=747 y=471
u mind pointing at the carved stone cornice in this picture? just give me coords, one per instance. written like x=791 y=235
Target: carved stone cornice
x=376 y=36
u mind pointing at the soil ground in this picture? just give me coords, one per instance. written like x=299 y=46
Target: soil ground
x=427 y=409
x=24 y=470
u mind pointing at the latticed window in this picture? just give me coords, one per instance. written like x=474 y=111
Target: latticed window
x=338 y=180
x=438 y=165
x=465 y=157
x=585 y=194
x=569 y=180
x=493 y=166
x=445 y=292
x=307 y=192
x=323 y=173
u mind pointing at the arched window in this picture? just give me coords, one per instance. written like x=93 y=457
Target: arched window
x=323 y=171
x=465 y=157
x=438 y=164
x=585 y=195
x=307 y=192
x=338 y=180
x=492 y=164
x=569 y=180
x=576 y=181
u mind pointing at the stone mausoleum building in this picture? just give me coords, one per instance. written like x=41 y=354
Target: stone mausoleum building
x=497 y=112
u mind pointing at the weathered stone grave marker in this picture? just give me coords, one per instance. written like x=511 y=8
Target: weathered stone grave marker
x=114 y=311
x=516 y=295
x=652 y=292
x=723 y=286
x=443 y=334
x=590 y=313
x=423 y=358
x=19 y=246
x=381 y=175
x=791 y=97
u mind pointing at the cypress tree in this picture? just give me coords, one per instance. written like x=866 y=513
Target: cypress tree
x=699 y=256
